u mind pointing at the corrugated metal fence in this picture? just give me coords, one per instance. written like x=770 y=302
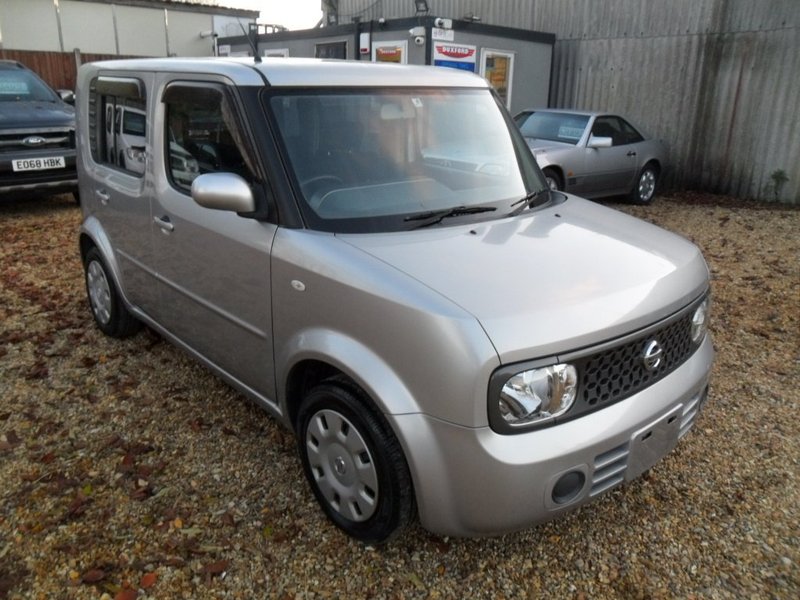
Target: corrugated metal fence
x=718 y=80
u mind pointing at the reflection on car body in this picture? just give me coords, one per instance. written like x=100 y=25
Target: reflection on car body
x=131 y=125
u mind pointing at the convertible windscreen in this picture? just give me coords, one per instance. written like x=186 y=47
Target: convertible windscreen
x=555 y=127
x=367 y=160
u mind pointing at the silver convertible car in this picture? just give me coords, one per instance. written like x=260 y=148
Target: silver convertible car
x=593 y=154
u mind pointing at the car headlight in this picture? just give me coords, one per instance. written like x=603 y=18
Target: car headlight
x=538 y=395
x=700 y=321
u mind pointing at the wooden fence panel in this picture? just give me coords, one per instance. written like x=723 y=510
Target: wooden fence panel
x=58 y=69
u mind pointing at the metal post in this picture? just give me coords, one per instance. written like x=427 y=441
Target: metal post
x=166 y=30
x=58 y=23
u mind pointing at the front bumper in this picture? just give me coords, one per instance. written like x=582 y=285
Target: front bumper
x=47 y=181
x=474 y=482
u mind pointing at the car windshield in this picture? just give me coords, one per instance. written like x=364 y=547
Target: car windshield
x=555 y=127
x=381 y=160
x=21 y=85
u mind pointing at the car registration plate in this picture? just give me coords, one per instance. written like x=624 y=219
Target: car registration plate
x=38 y=164
x=651 y=443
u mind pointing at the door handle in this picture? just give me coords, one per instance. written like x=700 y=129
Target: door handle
x=631 y=153
x=165 y=224
x=103 y=196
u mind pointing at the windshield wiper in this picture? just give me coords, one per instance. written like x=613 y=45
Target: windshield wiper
x=531 y=199
x=437 y=216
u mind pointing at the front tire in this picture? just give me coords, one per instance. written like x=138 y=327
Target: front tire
x=354 y=463
x=553 y=180
x=108 y=310
x=644 y=190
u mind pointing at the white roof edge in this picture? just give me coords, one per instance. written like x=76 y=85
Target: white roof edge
x=305 y=72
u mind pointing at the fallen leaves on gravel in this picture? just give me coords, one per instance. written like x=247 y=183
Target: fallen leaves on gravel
x=125 y=466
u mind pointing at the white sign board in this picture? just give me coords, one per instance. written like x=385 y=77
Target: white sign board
x=448 y=35
x=455 y=56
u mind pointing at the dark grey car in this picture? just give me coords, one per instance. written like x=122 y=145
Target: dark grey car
x=37 y=135
x=593 y=154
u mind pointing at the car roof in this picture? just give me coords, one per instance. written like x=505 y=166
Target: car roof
x=306 y=72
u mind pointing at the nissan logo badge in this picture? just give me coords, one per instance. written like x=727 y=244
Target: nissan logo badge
x=652 y=355
x=34 y=140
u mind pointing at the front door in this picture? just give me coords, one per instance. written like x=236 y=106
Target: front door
x=610 y=170
x=213 y=266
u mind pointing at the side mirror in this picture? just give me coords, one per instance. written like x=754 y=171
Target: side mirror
x=599 y=142
x=223 y=191
x=67 y=96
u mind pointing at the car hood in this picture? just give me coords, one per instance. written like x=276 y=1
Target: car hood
x=37 y=114
x=555 y=280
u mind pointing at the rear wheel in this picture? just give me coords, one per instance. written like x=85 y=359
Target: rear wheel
x=644 y=190
x=354 y=463
x=553 y=179
x=110 y=313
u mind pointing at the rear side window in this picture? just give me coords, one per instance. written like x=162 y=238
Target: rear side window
x=202 y=134
x=118 y=123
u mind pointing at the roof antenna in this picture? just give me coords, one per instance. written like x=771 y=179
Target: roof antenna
x=253 y=47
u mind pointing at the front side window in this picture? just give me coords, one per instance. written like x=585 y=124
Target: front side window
x=620 y=131
x=380 y=160
x=202 y=135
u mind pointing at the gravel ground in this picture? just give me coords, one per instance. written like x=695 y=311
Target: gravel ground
x=129 y=471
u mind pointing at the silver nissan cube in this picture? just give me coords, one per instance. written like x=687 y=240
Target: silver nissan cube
x=371 y=254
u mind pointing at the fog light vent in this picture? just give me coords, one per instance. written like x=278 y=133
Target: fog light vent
x=568 y=487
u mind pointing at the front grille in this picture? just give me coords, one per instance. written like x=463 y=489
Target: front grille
x=54 y=139
x=620 y=372
x=617 y=372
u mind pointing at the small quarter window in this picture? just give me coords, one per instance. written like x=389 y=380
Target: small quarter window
x=118 y=123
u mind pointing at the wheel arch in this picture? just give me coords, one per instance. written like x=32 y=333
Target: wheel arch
x=92 y=235
x=654 y=162
x=319 y=354
x=559 y=171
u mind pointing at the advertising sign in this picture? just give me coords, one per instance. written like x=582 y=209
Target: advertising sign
x=394 y=52
x=455 y=56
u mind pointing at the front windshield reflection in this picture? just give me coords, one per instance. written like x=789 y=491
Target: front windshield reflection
x=377 y=156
